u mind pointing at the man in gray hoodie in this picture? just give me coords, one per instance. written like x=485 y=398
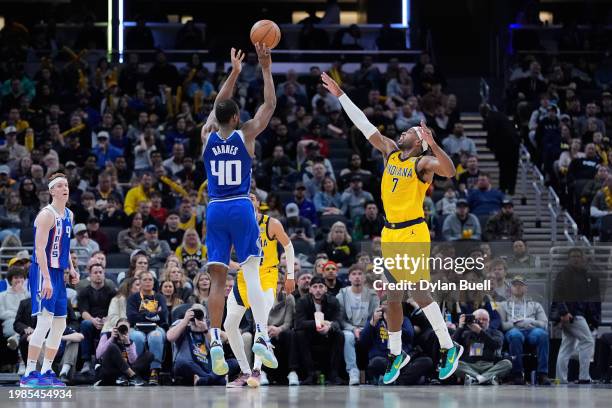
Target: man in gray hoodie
x=357 y=304
x=525 y=321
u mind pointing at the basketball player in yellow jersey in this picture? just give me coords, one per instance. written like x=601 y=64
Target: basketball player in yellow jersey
x=407 y=175
x=271 y=233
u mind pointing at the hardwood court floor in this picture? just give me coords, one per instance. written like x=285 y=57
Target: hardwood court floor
x=329 y=397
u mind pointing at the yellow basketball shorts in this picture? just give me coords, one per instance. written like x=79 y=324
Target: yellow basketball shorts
x=268 y=278
x=409 y=249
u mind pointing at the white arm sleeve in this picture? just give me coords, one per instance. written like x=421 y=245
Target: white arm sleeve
x=357 y=116
x=290 y=260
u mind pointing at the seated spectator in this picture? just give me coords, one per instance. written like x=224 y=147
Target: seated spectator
x=356 y=304
x=182 y=284
x=469 y=178
x=485 y=200
x=144 y=208
x=94 y=232
x=174 y=164
x=158 y=212
x=370 y=224
x=191 y=249
x=302 y=284
x=601 y=206
x=520 y=258
x=87 y=209
x=104 y=151
x=314 y=184
x=297 y=226
x=330 y=274
x=457 y=142
x=112 y=215
x=13 y=216
x=9 y=304
x=354 y=198
x=131 y=238
x=201 y=289
x=138 y=263
x=68 y=352
x=169 y=290
x=470 y=300
x=155 y=249
x=192 y=362
x=82 y=241
x=354 y=169
x=325 y=333
x=462 y=224
x=497 y=270
x=328 y=201
x=593 y=186
x=566 y=157
x=505 y=225
x=117 y=309
x=119 y=362
x=576 y=308
x=447 y=205
x=481 y=363
x=138 y=193
x=171 y=233
x=306 y=207
x=338 y=245
x=525 y=322
x=94 y=301
x=583 y=168
x=148 y=314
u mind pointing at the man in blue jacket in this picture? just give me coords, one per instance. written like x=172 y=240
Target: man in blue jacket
x=484 y=200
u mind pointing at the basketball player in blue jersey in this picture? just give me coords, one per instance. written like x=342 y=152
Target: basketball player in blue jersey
x=230 y=216
x=50 y=258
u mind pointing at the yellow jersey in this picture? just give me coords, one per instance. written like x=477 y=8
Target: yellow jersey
x=269 y=246
x=402 y=191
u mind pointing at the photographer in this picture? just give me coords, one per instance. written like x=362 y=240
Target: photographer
x=147 y=312
x=190 y=336
x=119 y=363
x=481 y=362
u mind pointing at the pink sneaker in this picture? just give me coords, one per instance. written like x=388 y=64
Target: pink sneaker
x=254 y=379
x=239 y=382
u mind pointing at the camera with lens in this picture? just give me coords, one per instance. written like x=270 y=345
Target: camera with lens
x=122 y=329
x=197 y=315
x=470 y=319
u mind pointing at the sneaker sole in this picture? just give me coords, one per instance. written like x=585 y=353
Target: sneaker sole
x=219 y=365
x=397 y=372
x=455 y=364
x=265 y=355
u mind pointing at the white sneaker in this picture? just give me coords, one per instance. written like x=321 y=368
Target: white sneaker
x=293 y=378
x=22 y=368
x=263 y=380
x=481 y=379
x=354 y=377
x=86 y=367
x=469 y=380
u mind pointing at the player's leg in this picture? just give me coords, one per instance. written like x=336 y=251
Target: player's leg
x=257 y=375
x=54 y=338
x=397 y=358
x=235 y=312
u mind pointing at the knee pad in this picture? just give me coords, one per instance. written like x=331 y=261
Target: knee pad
x=55 y=334
x=43 y=324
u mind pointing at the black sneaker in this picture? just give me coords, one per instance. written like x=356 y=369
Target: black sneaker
x=136 y=381
x=518 y=379
x=154 y=378
x=122 y=381
x=543 y=379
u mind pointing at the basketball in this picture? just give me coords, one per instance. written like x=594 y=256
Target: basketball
x=266 y=32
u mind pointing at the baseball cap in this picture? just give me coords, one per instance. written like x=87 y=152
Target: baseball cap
x=70 y=165
x=79 y=228
x=317 y=279
x=507 y=201
x=299 y=185
x=14 y=260
x=10 y=129
x=356 y=177
x=103 y=135
x=462 y=201
x=151 y=228
x=519 y=279
x=292 y=210
x=330 y=263
x=4 y=169
x=606 y=94
x=136 y=252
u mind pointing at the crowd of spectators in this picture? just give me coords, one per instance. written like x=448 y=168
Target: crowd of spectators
x=128 y=140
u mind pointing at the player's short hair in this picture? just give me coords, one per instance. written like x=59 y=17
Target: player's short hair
x=57 y=175
x=225 y=110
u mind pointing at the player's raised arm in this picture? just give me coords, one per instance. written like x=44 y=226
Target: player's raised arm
x=226 y=91
x=262 y=117
x=43 y=222
x=278 y=232
x=359 y=119
x=440 y=163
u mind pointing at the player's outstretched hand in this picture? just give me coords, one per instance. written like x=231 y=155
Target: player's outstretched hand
x=426 y=133
x=289 y=286
x=331 y=85
x=236 y=57
x=47 y=289
x=264 y=54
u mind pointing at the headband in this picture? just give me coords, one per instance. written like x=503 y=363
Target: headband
x=55 y=181
x=418 y=130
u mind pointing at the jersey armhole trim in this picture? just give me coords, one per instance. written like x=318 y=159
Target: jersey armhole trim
x=389 y=155
x=416 y=170
x=268 y=228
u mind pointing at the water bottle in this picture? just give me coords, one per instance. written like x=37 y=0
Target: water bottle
x=321 y=379
x=449 y=318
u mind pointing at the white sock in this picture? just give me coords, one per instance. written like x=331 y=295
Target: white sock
x=395 y=343
x=434 y=315
x=257 y=300
x=231 y=325
x=46 y=365
x=30 y=366
x=215 y=335
x=65 y=369
x=257 y=363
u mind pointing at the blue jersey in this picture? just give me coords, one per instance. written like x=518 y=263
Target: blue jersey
x=58 y=243
x=228 y=166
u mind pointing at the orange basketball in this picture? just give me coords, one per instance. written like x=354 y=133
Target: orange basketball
x=266 y=32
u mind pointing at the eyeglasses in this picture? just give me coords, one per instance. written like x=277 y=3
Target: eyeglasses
x=331 y=268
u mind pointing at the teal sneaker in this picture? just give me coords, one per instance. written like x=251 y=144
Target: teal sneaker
x=30 y=381
x=449 y=361
x=219 y=365
x=263 y=349
x=394 y=367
